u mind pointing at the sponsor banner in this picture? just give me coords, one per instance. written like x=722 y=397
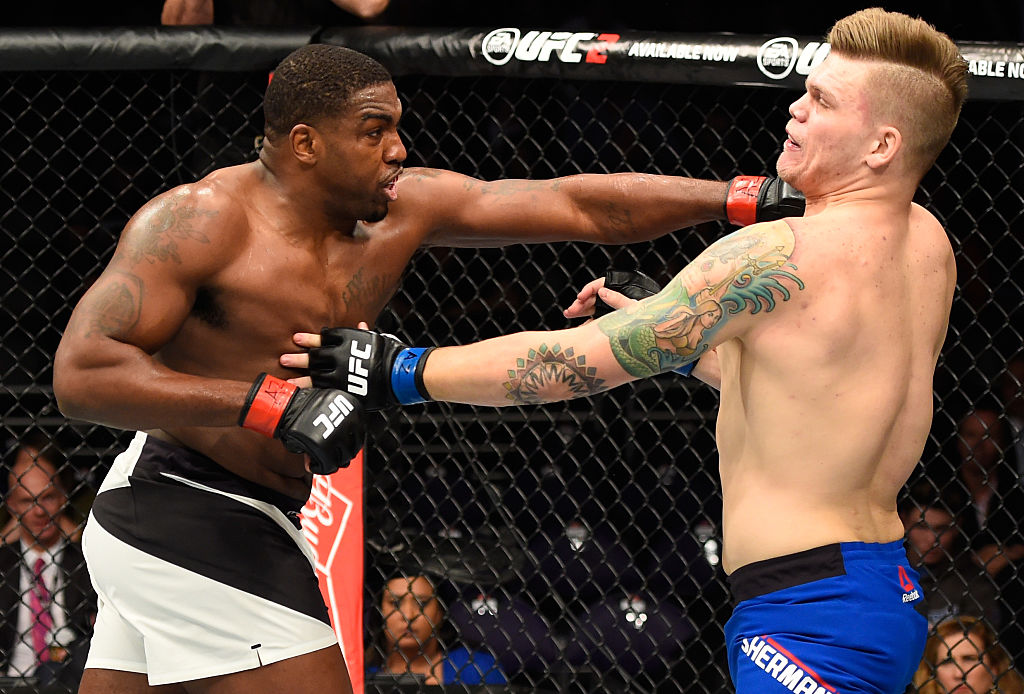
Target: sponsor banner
x=996 y=70
x=332 y=521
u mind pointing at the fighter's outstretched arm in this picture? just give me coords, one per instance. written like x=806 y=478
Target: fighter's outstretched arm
x=707 y=369
x=736 y=281
x=599 y=208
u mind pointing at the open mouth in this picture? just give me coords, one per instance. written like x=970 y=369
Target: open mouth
x=391 y=187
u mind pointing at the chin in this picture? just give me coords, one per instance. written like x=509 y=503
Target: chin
x=376 y=215
x=789 y=175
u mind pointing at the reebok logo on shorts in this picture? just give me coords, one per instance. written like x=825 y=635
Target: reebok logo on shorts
x=910 y=593
x=784 y=667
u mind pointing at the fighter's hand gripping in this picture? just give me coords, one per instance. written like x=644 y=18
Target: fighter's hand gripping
x=621 y=288
x=761 y=199
x=377 y=368
x=326 y=425
x=632 y=284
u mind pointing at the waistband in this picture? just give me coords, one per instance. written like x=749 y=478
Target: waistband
x=828 y=561
x=159 y=456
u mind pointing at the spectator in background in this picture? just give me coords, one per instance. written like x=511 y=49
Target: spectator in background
x=36 y=446
x=270 y=12
x=1011 y=393
x=411 y=644
x=992 y=525
x=962 y=655
x=992 y=521
x=953 y=583
x=46 y=599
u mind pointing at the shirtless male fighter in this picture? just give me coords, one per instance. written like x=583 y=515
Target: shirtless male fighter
x=822 y=333
x=204 y=579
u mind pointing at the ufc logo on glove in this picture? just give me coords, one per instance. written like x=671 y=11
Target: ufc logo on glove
x=338 y=409
x=357 y=373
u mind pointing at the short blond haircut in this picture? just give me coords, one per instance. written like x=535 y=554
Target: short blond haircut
x=921 y=80
x=1007 y=680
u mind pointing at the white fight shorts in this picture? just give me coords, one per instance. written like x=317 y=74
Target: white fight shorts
x=198 y=571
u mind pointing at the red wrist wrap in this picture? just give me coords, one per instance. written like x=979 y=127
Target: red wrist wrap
x=741 y=200
x=268 y=404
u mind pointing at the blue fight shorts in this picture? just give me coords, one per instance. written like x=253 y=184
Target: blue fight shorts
x=837 y=619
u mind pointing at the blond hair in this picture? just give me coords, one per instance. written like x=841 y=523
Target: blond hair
x=921 y=81
x=1007 y=680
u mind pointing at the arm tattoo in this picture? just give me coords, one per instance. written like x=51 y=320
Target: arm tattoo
x=620 y=218
x=549 y=374
x=171 y=222
x=115 y=308
x=674 y=327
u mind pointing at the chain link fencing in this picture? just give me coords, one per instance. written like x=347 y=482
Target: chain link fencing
x=579 y=543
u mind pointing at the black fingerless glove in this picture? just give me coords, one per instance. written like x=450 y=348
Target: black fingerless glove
x=325 y=424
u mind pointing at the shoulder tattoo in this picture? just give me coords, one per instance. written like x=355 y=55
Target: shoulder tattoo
x=747 y=271
x=174 y=220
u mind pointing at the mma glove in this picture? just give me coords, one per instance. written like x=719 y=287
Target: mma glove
x=632 y=284
x=761 y=199
x=635 y=285
x=325 y=424
x=378 y=369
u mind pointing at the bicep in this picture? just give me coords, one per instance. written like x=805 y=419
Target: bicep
x=140 y=307
x=474 y=213
x=146 y=291
x=717 y=297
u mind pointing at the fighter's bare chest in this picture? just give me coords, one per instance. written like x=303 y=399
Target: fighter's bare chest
x=340 y=285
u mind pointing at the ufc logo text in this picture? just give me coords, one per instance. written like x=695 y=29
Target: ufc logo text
x=357 y=373
x=338 y=409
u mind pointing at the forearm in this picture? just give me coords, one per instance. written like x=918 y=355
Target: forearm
x=628 y=207
x=121 y=386
x=524 y=368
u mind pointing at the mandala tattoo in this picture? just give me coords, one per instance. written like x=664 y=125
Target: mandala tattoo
x=548 y=374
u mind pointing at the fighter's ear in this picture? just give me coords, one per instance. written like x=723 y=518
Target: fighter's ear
x=306 y=143
x=884 y=147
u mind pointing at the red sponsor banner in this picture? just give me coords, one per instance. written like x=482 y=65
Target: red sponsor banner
x=332 y=521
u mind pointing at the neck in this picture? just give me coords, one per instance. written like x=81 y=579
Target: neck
x=37 y=546
x=293 y=197
x=884 y=194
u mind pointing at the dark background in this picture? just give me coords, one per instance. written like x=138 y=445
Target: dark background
x=991 y=20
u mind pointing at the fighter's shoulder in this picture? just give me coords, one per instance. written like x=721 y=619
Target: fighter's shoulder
x=774 y=234
x=422 y=181
x=427 y=197
x=197 y=223
x=931 y=241
x=923 y=219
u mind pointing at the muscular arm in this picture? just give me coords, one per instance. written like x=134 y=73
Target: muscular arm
x=736 y=281
x=104 y=370
x=599 y=208
x=707 y=368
